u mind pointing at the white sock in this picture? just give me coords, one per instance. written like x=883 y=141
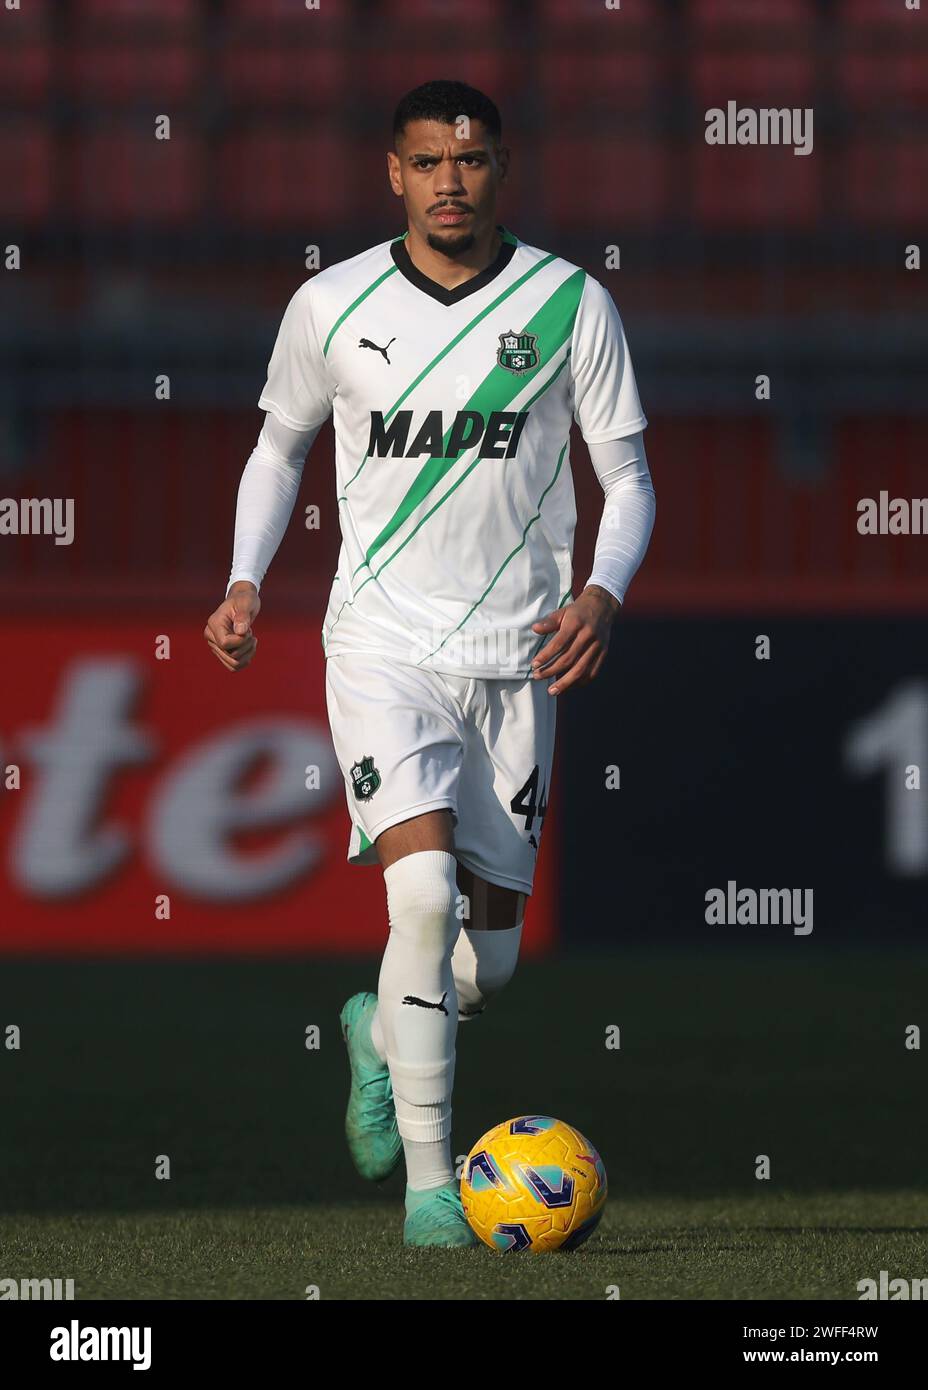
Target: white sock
x=417 y=1009
x=377 y=1041
x=482 y=963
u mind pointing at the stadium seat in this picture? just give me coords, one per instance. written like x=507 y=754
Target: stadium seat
x=386 y=75
x=753 y=186
x=755 y=14
x=468 y=12
x=778 y=76
x=582 y=13
x=117 y=72
x=606 y=79
x=886 y=184
x=126 y=176
x=25 y=172
x=607 y=182
x=276 y=177
x=875 y=453
x=24 y=70
x=275 y=15
x=269 y=75
x=881 y=13
x=870 y=77
x=147 y=13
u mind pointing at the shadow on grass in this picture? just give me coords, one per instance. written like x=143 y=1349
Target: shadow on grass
x=798 y=1056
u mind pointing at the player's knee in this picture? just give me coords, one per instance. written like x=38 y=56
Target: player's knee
x=421 y=900
x=475 y=992
x=483 y=964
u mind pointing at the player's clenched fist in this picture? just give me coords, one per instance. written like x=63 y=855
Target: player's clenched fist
x=228 y=632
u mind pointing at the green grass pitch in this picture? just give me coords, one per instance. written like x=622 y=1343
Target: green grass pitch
x=796 y=1052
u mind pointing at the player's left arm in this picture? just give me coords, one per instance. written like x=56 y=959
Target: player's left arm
x=577 y=651
x=604 y=399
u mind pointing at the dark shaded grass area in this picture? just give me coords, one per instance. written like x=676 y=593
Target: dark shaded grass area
x=791 y=1052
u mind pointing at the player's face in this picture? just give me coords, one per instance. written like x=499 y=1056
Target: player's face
x=448 y=182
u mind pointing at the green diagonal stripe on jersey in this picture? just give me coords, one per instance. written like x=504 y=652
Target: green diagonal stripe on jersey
x=354 y=304
x=468 y=328
x=444 y=497
x=553 y=324
x=469 y=469
x=528 y=526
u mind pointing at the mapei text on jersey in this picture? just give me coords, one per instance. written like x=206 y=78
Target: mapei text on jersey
x=495 y=436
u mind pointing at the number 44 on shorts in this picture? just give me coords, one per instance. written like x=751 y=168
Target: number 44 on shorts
x=525 y=803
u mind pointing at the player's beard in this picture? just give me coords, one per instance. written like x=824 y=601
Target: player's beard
x=450 y=244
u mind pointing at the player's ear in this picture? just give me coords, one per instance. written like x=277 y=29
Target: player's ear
x=502 y=160
x=393 y=173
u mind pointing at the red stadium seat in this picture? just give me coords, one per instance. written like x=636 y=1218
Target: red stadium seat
x=756 y=186
x=25 y=172
x=125 y=176
x=144 y=12
x=121 y=71
x=606 y=79
x=465 y=12
x=388 y=74
x=881 y=13
x=25 y=55
x=869 y=78
x=753 y=14
x=275 y=16
x=758 y=77
x=586 y=13
x=273 y=75
x=284 y=178
x=874 y=453
x=24 y=70
x=617 y=182
x=886 y=184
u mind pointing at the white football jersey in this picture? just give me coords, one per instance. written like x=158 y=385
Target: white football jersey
x=452 y=412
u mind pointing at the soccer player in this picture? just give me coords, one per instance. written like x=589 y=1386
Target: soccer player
x=453 y=359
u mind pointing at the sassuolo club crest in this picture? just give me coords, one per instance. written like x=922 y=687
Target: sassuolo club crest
x=365 y=778
x=518 y=352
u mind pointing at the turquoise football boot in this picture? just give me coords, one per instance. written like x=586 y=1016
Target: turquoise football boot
x=436 y=1217
x=370 y=1123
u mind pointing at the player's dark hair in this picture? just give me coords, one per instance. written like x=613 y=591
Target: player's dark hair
x=445 y=101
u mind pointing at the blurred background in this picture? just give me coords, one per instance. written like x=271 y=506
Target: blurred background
x=145 y=258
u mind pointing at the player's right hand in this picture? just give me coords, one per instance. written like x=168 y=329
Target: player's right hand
x=228 y=632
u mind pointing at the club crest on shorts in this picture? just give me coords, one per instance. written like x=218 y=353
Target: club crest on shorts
x=518 y=352
x=365 y=778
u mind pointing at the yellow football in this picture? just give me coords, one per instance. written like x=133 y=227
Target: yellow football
x=533 y=1183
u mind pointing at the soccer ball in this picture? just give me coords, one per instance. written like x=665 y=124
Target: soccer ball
x=533 y=1183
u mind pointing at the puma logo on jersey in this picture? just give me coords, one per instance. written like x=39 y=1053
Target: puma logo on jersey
x=426 y=1004
x=494 y=437
x=366 y=342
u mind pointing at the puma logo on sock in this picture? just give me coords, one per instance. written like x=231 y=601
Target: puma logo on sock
x=427 y=1004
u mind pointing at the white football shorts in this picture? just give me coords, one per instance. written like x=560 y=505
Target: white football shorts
x=410 y=740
